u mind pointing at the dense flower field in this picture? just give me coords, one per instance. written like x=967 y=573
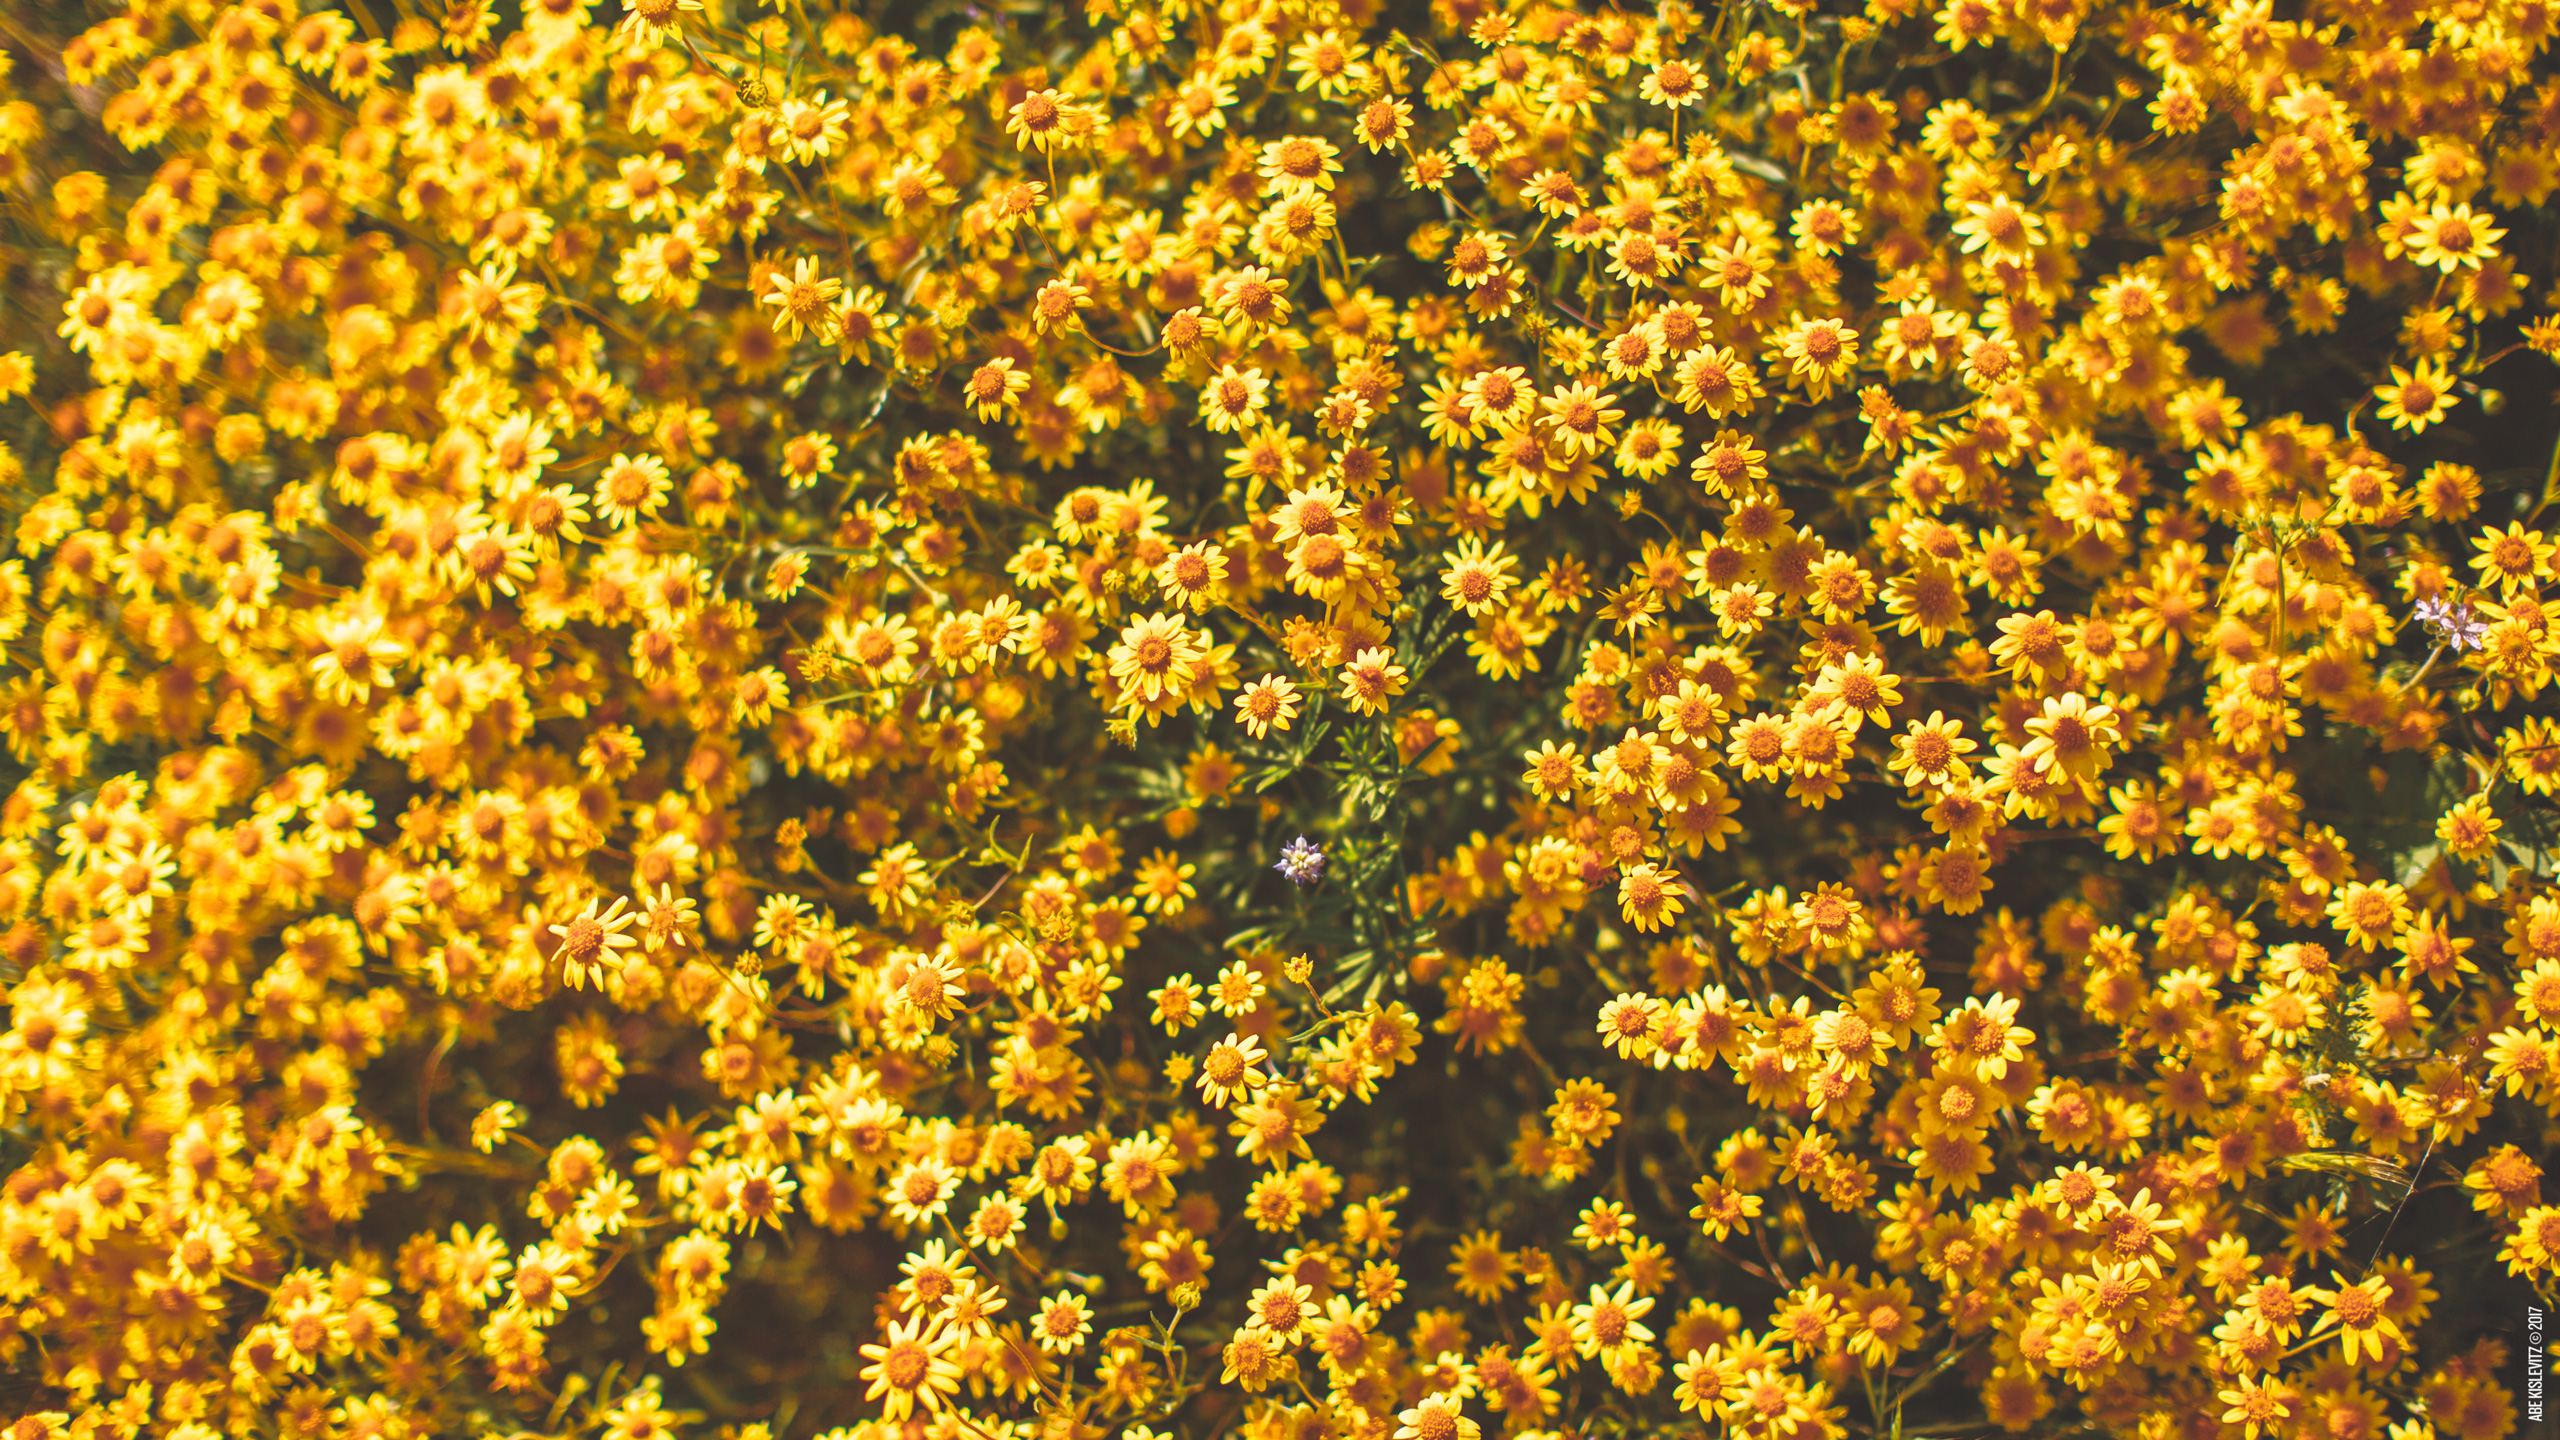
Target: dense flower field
x=1296 y=719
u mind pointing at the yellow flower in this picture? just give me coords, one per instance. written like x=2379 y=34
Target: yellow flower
x=1156 y=661
x=1268 y=704
x=1477 y=579
x=911 y=1368
x=493 y=1124
x=996 y=387
x=1059 y=305
x=1580 y=418
x=800 y=299
x=1194 y=576
x=1043 y=120
x=1371 y=680
x=1384 y=123
x=2415 y=399
x=1063 y=1324
x=1300 y=164
x=1648 y=898
x=2452 y=237
x=2000 y=227
x=1820 y=351
x=2258 y=1406
x=591 y=942
x=1232 y=401
x=647 y=22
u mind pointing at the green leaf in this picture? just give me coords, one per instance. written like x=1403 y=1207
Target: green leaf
x=1750 y=164
x=2415 y=863
x=1249 y=934
x=2348 y=1162
x=1352 y=971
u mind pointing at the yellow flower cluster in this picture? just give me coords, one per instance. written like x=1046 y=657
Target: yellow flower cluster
x=1840 y=717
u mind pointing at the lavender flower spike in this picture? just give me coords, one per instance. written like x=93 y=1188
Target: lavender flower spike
x=1302 y=860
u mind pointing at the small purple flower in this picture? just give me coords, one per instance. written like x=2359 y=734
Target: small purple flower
x=1302 y=860
x=2454 y=625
